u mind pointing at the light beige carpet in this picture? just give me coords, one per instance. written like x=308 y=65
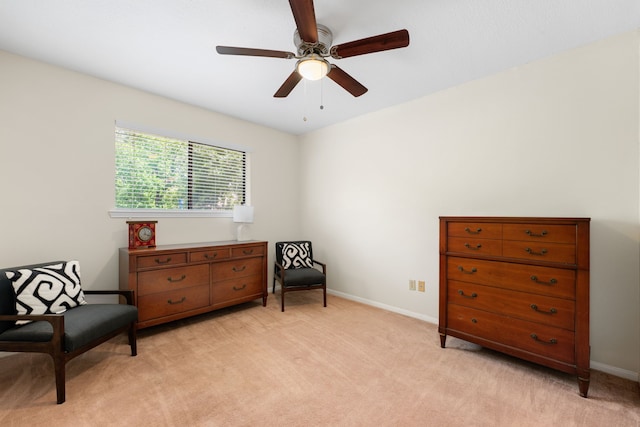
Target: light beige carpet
x=345 y=365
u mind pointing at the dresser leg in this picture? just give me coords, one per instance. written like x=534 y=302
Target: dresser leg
x=583 y=385
x=443 y=339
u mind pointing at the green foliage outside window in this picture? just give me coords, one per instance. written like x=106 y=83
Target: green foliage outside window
x=155 y=172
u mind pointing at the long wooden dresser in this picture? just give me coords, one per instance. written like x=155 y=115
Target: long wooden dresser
x=176 y=281
x=519 y=286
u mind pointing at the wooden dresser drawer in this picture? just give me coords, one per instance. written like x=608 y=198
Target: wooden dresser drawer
x=475 y=270
x=537 y=338
x=549 y=281
x=540 y=233
x=539 y=251
x=166 y=279
x=556 y=282
x=162 y=260
x=550 y=311
x=229 y=290
x=209 y=255
x=475 y=246
x=237 y=268
x=475 y=229
x=166 y=303
x=247 y=251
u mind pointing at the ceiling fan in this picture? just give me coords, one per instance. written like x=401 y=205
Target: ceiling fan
x=313 y=42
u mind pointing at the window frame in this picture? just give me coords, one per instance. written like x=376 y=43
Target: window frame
x=181 y=213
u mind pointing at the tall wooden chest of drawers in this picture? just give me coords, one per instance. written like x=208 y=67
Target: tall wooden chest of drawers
x=519 y=286
x=176 y=281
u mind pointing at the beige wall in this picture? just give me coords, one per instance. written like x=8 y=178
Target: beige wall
x=58 y=168
x=557 y=137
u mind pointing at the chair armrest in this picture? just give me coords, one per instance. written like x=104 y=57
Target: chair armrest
x=55 y=318
x=51 y=318
x=322 y=264
x=56 y=321
x=281 y=268
x=127 y=294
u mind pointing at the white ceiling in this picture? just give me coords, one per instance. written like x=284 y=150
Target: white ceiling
x=167 y=47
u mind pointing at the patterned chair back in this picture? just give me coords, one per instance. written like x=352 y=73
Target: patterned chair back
x=295 y=254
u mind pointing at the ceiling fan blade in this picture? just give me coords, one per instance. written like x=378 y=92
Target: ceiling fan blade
x=388 y=41
x=229 y=50
x=347 y=82
x=305 y=17
x=288 y=85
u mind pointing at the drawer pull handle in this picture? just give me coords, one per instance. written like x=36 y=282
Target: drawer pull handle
x=207 y=256
x=550 y=282
x=247 y=251
x=240 y=288
x=532 y=252
x=551 y=311
x=468 y=230
x=158 y=261
x=172 y=280
x=551 y=341
x=183 y=299
x=468 y=246
x=472 y=296
x=473 y=270
x=474 y=320
x=238 y=270
x=532 y=234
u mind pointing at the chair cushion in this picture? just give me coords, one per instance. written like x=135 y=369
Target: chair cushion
x=82 y=325
x=303 y=277
x=48 y=289
x=296 y=255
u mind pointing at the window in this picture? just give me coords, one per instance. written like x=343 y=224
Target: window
x=165 y=174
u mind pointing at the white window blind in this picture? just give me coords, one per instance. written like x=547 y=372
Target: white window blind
x=164 y=173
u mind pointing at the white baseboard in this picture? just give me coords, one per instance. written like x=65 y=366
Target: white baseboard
x=391 y=308
x=602 y=367
x=617 y=372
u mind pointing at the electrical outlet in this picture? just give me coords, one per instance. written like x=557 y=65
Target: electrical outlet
x=412 y=285
x=421 y=286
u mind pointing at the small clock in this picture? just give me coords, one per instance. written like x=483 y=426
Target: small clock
x=142 y=234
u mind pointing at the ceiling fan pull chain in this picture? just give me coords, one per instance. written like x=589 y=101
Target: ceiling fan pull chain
x=304 y=101
x=322 y=94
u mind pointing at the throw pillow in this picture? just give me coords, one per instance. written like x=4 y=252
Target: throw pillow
x=47 y=290
x=296 y=255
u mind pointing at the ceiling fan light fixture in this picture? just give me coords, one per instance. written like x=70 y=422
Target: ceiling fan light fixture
x=313 y=67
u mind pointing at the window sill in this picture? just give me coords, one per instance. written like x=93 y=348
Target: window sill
x=168 y=213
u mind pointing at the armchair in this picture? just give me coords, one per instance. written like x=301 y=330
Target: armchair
x=296 y=270
x=63 y=335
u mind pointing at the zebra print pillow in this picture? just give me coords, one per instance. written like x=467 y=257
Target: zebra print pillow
x=46 y=290
x=296 y=255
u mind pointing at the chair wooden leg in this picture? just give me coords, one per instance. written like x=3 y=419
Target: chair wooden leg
x=282 y=298
x=324 y=295
x=133 y=341
x=59 y=368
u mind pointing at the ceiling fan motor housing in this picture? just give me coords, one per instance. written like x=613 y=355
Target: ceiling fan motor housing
x=325 y=38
